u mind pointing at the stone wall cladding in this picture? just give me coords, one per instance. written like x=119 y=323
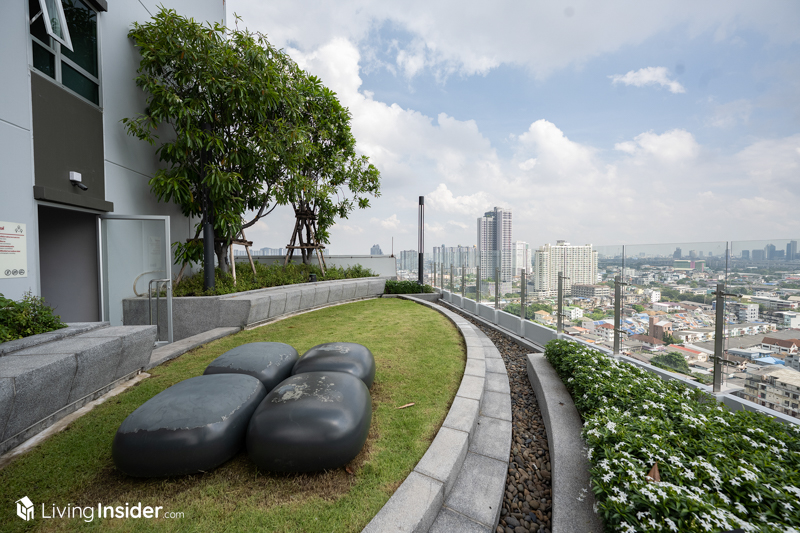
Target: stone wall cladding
x=193 y=315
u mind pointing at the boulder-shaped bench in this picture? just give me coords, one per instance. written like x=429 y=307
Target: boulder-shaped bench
x=348 y=357
x=311 y=421
x=269 y=362
x=193 y=426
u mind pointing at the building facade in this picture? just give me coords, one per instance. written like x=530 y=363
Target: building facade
x=520 y=258
x=494 y=246
x=590 y=291
x=577 y=263
x=69 y=166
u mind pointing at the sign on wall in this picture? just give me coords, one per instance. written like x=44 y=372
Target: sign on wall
x=13 y=250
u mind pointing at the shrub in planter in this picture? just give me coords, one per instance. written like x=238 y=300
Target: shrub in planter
x=718 y=470
x=406 y=287
x=29 y=316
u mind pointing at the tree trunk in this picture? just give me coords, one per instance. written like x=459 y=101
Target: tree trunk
x=221 y=249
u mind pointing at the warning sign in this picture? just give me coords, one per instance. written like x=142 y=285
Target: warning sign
x=13 y=250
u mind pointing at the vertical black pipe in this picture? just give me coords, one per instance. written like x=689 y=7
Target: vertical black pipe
x=208 y=222
x=421 y=239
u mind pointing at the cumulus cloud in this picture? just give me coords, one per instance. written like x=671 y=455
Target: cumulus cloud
x=528 y=164
x=648 y=76
x=391 y=223
x=672 y=146
x=443 y=199
x=474 y=37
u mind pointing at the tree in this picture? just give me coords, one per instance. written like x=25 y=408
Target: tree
x=669 y=339
x=672 y=360
x=221 y=103
x=330 y=179
x=638 y=308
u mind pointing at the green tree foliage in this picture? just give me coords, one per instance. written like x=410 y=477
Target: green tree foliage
x=672 y=360
x=530 y=309
x=406 y=287
x=330 y=179
x=638 y=308
x=669 y=339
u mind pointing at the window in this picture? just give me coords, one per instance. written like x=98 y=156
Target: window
x=65 y=45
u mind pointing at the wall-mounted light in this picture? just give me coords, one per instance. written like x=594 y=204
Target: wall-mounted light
x=75 y=179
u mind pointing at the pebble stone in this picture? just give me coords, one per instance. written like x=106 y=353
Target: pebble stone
x=527 y=504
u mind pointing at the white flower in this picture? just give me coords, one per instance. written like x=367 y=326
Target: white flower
x=741 y=508
x=611 y=426
x=671 y=524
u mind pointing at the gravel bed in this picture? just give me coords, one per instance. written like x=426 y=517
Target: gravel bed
x=527 y=504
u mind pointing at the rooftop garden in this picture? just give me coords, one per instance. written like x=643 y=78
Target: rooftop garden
x=666 y=457
x=265 y=276
x=75 y=466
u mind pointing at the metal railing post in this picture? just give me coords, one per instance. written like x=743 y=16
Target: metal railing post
x=559 y=305
x=478 y=284
x=719 y=336
x=452 y=275
x=523 y=289
x=617 y=315
x=497 y=288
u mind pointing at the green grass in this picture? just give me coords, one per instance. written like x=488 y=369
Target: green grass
x=420 y=358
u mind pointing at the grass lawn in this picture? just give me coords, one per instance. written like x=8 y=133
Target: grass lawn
x=420 y=358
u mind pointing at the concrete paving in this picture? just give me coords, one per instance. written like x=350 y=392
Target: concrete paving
x=461 y=478
x=171 y=351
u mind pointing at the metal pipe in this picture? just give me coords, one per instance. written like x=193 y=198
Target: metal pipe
x=421 y=238
x=617 y=307
x=497 y=288
x=719 y=337
x=559 y=304
x=478 y=284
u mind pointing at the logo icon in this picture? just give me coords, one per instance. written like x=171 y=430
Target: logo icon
x=19 y=229
x=21 y=271
x=25 y=508
x=14 y=272
x=8 y=272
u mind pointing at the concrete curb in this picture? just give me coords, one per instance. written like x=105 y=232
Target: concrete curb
x=178 y=348
x=573 y=499
x=458 y=485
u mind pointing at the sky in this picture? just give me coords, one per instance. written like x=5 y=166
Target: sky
x=615 y=122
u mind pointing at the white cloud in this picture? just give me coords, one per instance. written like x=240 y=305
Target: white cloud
x=474 y=37
x=648 y=76
x=391 y=223
x=442 y=199
x=672 y=146
x=528 y=164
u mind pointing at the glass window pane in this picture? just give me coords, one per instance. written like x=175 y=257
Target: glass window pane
x=79 y=83
x=55 y=20
x=43 y=60
x=82 y=24
x=38 y=28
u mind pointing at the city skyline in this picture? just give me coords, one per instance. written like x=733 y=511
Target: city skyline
x=583 y=118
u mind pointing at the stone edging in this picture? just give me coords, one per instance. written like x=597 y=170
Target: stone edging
x=72 y=329
x=573 y=500
x=572 y=497
x=458 y=484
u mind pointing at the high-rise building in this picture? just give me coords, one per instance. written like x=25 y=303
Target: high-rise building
x=375 y=250
x=791 y=251
x=494 y=245
x=408 y=260
x=458 y=256
x=677 y=253
x=769 y=252
x=758 y=255
x=578 y=263
x=745 y=254
x=520 y=258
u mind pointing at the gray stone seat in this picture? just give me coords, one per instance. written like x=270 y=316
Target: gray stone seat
x=193 y=426
x=269 y=362
x=348 y=357
x=311 y=421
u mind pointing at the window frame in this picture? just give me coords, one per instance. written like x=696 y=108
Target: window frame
x=45 y=14
x=55 y=49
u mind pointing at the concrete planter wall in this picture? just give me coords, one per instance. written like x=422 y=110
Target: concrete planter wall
x=192 y=315
x=45 y=377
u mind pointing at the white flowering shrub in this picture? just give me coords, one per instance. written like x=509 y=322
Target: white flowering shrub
x=719 y=470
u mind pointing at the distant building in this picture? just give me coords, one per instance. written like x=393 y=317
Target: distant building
x=494 y=245
x=677 y=253
x=572 y=313
x=520 y=258
x=746 y=254
x=758 y=255
x=577 y=263
x=783 y=346
x=590 y=291
x=775 y=387
x=375 y=250
x=745 y=312
x=653 y=295
x=409 y=260
x=791 y=251
x=658 y=328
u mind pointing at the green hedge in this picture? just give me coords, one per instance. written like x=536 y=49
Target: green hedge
x=719 y=470
x=406 y=287
x=266 y=276
x=29 y=316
